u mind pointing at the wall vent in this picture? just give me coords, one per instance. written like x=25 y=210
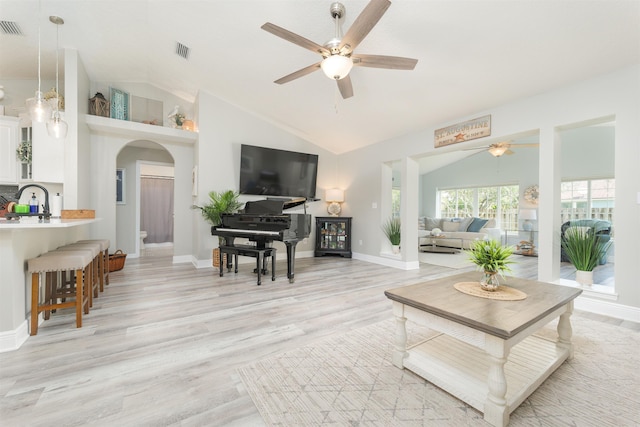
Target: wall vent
x=10 y=27
x=182 y=50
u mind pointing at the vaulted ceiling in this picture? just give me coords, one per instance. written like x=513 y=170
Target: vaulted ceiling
x=472 y=55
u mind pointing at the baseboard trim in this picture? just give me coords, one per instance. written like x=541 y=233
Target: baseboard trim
x=12 y=340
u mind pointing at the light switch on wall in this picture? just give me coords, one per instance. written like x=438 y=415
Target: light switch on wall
x=374 y=205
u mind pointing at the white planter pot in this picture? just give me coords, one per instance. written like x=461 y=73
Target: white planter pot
x=395 y=249
x=584 y=277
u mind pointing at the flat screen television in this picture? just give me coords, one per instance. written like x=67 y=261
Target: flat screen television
x=281 y=173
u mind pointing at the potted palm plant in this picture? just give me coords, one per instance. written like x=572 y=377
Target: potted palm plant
x=585 y=250
x=224 y=202
x=391 y=229
x=493 y=259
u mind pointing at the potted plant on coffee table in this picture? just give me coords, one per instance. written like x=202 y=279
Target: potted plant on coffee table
x=391 y=229
x=584 y=249
x=493 y=259
x=224 y=202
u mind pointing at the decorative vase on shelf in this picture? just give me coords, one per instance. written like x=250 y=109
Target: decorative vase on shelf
x=490 y=281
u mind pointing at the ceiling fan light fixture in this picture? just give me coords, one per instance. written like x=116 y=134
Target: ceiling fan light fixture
x=336 y=67
x=498 y=150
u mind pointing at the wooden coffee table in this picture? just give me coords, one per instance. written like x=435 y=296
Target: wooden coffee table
x=486 y=353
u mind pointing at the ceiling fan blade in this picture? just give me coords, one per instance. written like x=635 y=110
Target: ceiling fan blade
x=345 y=86
x=300 y=73
x=295 y=39
x=383 y=61
x=525 y=145
x=363 y=24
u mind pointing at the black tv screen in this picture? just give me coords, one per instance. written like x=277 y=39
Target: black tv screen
x=272 y=172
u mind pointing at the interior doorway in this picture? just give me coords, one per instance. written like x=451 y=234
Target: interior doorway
x=155 y=216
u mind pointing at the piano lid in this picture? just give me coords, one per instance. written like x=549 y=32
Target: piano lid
x=272 y=206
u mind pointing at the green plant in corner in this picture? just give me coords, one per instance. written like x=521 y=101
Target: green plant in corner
x=219 y=203
x=391 y=229
x=584 y=248
x=490 y=256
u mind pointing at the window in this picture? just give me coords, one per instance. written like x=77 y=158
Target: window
x=499 y=202
x=587 y=199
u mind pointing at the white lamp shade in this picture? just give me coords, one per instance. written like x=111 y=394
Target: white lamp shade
x=528 y=214
x=336 y=66
x=334 y=195
x=39 y=109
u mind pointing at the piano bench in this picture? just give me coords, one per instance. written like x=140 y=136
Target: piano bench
x=260 y=254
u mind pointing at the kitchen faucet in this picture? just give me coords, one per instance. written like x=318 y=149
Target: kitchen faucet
x=46 y=196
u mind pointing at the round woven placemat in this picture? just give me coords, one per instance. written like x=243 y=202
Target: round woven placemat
x=503 y=293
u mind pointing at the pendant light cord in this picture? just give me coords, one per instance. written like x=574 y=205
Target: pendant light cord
x=57 y=50
x=39 y=19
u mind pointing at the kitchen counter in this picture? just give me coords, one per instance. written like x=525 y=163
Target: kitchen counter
x=20 y=241
x=34 y=222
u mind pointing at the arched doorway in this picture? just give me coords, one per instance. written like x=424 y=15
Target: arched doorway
x=129 y=162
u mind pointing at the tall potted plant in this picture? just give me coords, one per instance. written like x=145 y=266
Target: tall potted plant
x=493 y=259
x=585 y=250
x=224 y=202
x=391 y=229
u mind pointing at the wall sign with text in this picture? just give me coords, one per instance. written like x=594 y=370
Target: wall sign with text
x=461 y=132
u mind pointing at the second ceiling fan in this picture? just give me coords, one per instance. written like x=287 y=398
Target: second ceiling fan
x=500 y=148
x=337 y=54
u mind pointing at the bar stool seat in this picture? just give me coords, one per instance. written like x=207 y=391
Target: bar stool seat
x=104 y=260
x=95 y=272
x=57 y=261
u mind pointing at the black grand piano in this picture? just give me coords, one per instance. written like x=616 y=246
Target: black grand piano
x=264 y=221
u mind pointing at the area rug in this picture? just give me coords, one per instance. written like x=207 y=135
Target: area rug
x=348 y=380
x=457 y=261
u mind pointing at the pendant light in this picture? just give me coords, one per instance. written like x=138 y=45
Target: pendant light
x=39 y=109
x=56 y=127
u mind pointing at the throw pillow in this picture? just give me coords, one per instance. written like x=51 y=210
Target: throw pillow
x=421 y=223
x=448 y=226
x=465 y=223
x=431 y=223
x=477 y=224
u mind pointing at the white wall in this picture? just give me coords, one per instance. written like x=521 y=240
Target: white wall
x=222 y=129
x=616 y=94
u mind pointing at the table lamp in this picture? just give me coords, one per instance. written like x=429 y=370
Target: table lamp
x=527 y=215
x=334 y=196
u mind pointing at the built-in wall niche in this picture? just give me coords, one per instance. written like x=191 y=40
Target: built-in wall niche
x=145 y=110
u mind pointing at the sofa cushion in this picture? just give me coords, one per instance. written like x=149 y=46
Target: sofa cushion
x=448 y=226
x=465 y=223
x=477 y=224
x=421 y=223
x=431 y=223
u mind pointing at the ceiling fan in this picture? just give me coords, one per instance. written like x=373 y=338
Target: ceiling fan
x=337 y=54
x=500 y=148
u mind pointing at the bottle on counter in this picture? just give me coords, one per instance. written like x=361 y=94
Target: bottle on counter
x=33 y=204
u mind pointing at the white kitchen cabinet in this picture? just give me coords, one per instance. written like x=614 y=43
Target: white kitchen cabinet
x=48 y=155
x=9 y=136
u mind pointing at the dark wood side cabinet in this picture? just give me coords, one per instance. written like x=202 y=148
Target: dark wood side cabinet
x=333 y=236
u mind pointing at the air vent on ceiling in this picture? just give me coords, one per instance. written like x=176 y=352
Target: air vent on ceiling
x=182 y=50
x=10 y=27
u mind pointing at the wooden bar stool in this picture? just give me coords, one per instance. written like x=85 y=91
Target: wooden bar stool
x=104 y=260
x=96 y=253
x=76 y=261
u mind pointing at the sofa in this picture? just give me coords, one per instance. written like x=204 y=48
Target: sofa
x=600 y=227
x=468 y=229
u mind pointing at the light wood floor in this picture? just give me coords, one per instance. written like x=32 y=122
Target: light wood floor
x=162 y=343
